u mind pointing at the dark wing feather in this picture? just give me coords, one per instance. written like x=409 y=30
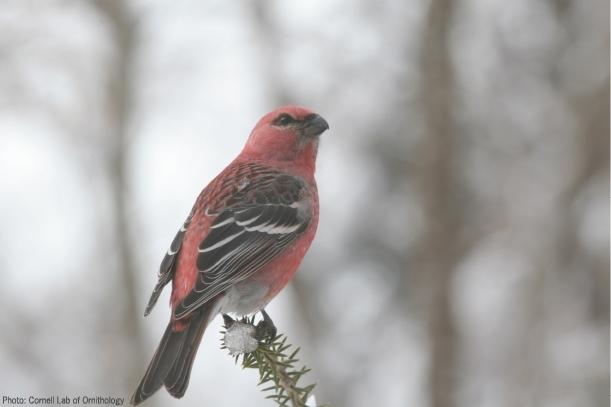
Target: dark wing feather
x=166 y=269
x=271 y=214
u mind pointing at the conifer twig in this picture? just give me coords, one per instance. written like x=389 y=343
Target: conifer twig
x=273 y=357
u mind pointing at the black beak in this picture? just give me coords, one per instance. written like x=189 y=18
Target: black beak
x=314 y=125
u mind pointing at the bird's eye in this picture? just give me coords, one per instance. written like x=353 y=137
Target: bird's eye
x=284 y=120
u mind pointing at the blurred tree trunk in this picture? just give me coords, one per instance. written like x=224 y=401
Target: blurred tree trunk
x=583 y=269
x=119 y=107
x=438 y=251
x=270 y=69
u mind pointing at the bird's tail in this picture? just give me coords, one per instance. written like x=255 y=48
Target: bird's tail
x=173 y=359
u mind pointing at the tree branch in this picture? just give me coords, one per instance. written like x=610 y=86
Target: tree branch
x=270 y=355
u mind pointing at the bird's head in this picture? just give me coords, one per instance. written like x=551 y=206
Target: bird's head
x=289 y=133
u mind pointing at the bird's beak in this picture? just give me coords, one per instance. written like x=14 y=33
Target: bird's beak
x=314 y=125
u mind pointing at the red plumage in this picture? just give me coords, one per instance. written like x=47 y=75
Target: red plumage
x=242 y=242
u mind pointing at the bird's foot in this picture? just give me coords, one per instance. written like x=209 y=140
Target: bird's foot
x=228 y=321
x=266 y=328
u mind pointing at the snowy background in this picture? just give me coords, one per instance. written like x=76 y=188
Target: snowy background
x=462 y=257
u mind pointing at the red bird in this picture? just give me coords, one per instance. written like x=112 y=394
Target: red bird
x=242 y=242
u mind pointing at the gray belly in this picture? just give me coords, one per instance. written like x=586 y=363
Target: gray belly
x=244 y=299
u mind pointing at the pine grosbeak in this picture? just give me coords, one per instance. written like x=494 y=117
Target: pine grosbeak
x=242 y=242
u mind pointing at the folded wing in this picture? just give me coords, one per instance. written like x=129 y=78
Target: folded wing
x=264 y=218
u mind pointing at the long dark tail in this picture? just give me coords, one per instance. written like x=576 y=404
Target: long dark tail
x=173 y=359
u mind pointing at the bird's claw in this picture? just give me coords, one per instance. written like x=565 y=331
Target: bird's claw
x=266 y=328
x=228 y=321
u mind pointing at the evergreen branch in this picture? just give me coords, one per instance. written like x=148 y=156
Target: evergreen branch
x=275 y=359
